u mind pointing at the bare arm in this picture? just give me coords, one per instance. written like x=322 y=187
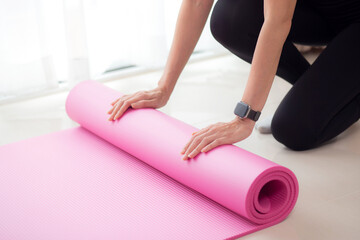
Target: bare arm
x=189 y=26
x=190 y=23
x=274 y=31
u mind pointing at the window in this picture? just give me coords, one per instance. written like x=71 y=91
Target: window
x=45 y=44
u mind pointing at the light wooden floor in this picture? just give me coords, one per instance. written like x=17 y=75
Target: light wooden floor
x=329 y=177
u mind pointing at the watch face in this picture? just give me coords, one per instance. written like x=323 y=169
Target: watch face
x=241 y=109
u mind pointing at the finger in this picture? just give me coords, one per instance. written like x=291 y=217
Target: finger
x=193 y=144
x=214 y=144
x=126 y=104
x=187 y=145
x=116 y=109
x=123 y=108
x=205 y=141
x=122 y=97
x=203 y=130
x=143 y=104
x=113 y=103
x=194 y=134
x=111 y=110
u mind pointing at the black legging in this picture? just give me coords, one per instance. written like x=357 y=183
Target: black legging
x=325 y=97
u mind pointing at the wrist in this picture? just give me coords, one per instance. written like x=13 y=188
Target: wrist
x=166 y=92
x=244 y=111
x=255 y=105
x=165 y=86
x=244 y=121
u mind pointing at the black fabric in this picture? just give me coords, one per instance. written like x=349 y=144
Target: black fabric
x=338 y=13
x=325 y=97
x=254 y=115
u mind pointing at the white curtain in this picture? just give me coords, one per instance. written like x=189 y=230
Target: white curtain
x=122 y=32
x=27 y=32
x=46 y=42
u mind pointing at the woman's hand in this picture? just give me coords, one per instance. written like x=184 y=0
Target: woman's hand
x=217 y=134
x=154 y=98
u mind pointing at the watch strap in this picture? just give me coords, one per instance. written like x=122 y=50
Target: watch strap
x=253 y=115
x=249 y=113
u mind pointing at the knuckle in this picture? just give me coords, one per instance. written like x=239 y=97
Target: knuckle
x=195 y=134
x=192 y=139
x=216 y=142
x=206 y=139
x=212 y=128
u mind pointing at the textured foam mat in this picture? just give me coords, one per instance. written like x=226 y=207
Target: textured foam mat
x=126 y=180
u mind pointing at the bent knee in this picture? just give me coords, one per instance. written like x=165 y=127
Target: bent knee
x=220 y=21
x=234 y=21
x=293 y=133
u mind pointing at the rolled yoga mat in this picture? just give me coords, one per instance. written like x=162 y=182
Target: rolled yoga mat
x=126 y=180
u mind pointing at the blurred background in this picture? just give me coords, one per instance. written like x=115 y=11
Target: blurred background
x=46 y=45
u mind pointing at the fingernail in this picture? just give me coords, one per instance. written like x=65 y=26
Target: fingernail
x=193 y=133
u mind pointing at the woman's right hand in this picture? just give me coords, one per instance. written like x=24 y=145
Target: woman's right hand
x=155 y=98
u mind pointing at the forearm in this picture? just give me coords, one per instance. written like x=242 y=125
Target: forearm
x=265 y=62
x=190 y=23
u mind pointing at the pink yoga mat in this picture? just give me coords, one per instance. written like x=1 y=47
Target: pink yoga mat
x=126 y=180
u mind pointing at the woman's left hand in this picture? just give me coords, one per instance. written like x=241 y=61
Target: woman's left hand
x=218 y=134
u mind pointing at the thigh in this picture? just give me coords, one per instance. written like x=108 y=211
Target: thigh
x=235 y=19
x=236 y=24
x=321 y=94
x=309 y=27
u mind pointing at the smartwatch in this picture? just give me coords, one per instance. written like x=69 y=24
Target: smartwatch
x=243 y=110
